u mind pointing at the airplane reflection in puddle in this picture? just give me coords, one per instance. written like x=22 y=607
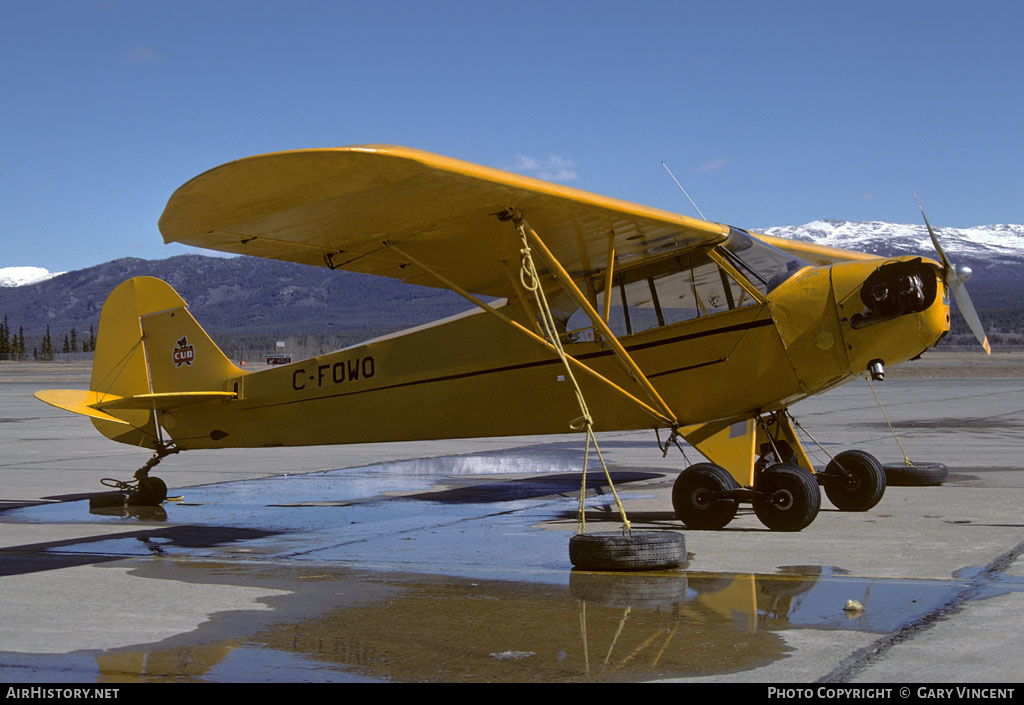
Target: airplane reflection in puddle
x=603 y=626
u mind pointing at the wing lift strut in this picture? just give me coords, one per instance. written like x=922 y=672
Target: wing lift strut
x=530 y=241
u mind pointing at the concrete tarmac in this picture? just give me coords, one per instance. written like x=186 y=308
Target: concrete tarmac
x=448 y=561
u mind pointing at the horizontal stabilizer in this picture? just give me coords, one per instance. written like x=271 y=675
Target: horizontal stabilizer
x=95 y=404
x=80 y=401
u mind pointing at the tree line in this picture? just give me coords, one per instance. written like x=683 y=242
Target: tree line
x=13 y=346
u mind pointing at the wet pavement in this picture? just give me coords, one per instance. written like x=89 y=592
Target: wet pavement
x=449 y=561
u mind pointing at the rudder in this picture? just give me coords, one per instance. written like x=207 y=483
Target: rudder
x=149 y=344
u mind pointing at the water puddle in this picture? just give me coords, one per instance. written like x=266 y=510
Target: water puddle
x=475 y=515
x=335 y=625
x=428 y=571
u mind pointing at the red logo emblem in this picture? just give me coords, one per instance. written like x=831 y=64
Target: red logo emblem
x=184 y=354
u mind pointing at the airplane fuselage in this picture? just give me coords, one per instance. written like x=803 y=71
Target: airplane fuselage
x=474 y=375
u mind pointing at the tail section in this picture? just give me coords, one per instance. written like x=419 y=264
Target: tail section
x=151 y=355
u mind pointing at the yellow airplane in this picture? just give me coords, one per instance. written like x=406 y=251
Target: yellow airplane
x=642 y=318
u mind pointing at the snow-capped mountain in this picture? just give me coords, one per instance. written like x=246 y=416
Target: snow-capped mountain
x=20 y=276
x=984 y=246
x=244 y=296
x=990 y=245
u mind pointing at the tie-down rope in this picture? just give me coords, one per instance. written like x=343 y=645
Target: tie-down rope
x=531 y=282
x=906 y=458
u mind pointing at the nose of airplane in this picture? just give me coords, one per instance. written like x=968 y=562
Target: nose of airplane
x=894 y=289
x=889 y=310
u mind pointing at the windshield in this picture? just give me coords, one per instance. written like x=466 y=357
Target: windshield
x=763 y=265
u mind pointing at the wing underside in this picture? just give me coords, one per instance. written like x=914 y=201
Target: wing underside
x=340 y=208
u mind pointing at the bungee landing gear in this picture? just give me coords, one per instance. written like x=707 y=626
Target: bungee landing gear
x=143 y=491
x=761 y=461
x=785 y=497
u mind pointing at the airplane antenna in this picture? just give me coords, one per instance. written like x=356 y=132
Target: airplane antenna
x=684 y=191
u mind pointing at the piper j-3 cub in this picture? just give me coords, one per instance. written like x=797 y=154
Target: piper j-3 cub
x=657 y=320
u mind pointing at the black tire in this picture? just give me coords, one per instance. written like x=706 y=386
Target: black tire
x=694 y=500
x=793 y=498
x=635 y=551
x=916 y=475
x=152 y=491
x=859 y=488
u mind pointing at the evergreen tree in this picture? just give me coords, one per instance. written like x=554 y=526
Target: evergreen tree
x=46 y=353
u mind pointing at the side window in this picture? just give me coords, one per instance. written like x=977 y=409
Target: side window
x=669 y=291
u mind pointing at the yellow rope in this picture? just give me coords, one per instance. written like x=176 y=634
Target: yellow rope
x=531 y=282
x=886 y=417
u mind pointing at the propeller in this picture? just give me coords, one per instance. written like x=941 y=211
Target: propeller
x=955 y=277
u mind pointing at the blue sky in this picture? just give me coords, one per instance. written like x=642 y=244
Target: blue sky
x=769 y=113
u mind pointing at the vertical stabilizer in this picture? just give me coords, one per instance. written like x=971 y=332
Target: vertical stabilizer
x=149 y=343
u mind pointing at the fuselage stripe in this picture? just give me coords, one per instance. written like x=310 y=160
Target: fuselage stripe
x=554 y=361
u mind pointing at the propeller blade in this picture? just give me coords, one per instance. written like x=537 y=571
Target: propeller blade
x=955 y=285
x=963 y=302
x=935 y=240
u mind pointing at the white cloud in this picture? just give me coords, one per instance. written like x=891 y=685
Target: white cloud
x=140 y=54
x=551 y=168
x=714 y=165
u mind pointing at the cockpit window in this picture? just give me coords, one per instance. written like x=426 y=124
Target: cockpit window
x=765 y=266
x=668 y=291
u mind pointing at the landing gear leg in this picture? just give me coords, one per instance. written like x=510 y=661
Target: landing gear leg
x=144 y=490
x=764 y=464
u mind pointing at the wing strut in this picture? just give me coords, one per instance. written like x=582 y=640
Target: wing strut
x=570 y=287
x=660 y=417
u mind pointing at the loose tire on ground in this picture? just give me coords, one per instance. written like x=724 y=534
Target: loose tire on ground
x=916 y=475
x=862 y=484
x=635 y=551
x=694 y=500
x=792 y=498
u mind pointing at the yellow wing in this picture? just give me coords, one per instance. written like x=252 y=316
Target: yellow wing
x=337 y=208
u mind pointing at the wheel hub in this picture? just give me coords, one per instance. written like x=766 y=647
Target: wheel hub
x=702 y=498
x=783 y=499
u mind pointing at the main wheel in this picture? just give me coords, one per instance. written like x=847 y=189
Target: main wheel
x=791 y=497
x=856 y=481
x=697 y=500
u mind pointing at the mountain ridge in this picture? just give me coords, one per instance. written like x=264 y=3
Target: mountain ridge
x=246 y=300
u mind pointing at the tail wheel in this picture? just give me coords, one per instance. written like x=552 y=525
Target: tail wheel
x=790 y=498
x=698 y=496
x=152 y=491
x=856 y=481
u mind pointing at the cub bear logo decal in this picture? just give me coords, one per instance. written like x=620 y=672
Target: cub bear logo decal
x=184 y=354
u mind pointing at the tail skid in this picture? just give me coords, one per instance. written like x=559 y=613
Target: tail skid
x=151 y=356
